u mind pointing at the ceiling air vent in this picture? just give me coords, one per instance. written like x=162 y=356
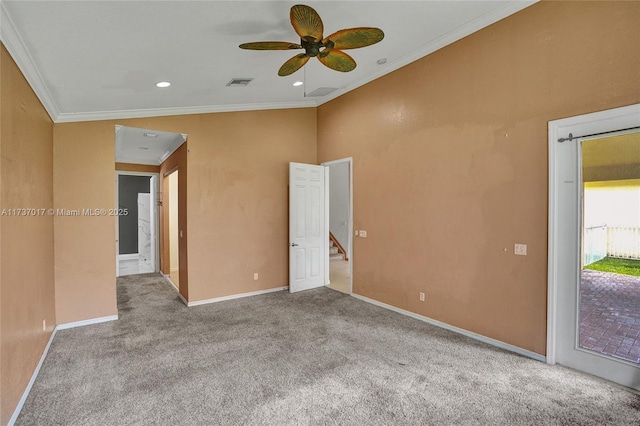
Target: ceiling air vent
x=239 y=82
x=322 y=91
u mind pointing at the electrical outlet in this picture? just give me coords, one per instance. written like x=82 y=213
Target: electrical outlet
x=255 y=276
x=520 y=249
x=421 y=297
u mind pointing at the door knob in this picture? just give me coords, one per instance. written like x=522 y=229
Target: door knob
x=294 y=245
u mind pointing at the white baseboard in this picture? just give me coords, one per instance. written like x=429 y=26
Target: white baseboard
x=455 y=329
x=173 y=286
x=25 y=394
x=86 y=322
x=180 y=295
x=236 y=296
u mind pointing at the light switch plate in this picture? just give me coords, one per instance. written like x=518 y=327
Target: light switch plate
x=520 y=249
x=362 y=233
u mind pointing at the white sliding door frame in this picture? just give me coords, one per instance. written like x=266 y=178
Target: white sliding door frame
x=563 y=266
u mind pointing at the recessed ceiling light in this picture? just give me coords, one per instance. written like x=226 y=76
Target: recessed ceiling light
x=144 y=148
x=163 y=84
x=381 y=61
x=298 y=83
x=151 y=135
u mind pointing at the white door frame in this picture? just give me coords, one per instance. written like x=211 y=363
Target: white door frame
x=587 y=124
x=350 y=221
x=155 y=213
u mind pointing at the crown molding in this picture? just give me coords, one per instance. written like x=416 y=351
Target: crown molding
x=477 y=24
x=16 y=47
x=162 y=112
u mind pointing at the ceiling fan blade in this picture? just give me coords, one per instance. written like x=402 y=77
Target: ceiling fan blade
x=307 y=23
x=270 y=45
x=293 y=64
x=354 y=38
x=337 y=60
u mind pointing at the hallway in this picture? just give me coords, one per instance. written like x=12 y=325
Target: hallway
x=339 y=275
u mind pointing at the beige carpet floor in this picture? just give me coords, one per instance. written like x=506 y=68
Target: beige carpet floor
x=317 y=357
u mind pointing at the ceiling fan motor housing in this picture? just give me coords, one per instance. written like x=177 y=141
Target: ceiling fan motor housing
x=311 y=48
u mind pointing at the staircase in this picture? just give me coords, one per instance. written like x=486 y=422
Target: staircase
x=335 y=252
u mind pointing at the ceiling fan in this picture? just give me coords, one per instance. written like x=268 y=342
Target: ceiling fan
x=308 y=25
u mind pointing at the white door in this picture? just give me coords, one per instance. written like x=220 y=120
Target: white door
x=153 y=219
x=145 y=264
x=565 y=222
x=308 y=237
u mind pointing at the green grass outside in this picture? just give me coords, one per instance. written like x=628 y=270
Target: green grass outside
x=617 y=266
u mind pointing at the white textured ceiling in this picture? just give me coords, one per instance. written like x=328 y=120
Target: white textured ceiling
x=145 y=146
x=91 y=60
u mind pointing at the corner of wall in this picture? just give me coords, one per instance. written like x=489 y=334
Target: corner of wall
x=27 y=300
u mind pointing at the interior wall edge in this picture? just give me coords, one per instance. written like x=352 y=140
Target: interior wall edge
x=34 y=376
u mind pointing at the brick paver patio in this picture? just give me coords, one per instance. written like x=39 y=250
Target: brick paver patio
x=610 y=314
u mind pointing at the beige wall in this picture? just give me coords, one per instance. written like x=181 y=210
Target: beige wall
x=236 y=203
x=238 y=199
x=450 y=162
x=26 y=242
x=84 y=178
x=176 y=162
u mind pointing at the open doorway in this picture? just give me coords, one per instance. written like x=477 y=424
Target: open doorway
x=610 y=274
x=137 y=223
x=340 y=224
x=149 y=157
